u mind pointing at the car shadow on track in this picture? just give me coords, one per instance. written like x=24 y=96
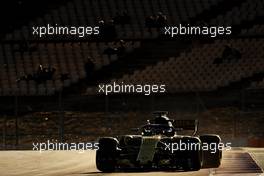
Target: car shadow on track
x=132 y=171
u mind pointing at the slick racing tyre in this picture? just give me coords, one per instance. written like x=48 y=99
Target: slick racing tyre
x=106 y=154
x=192 y=158
x=211 y=158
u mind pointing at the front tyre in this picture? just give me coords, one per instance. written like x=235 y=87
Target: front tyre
x=192 y=158
x=211 y=158
x=106 y=154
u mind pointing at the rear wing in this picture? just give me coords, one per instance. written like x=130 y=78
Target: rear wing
x=160 y=113
x=181 y=125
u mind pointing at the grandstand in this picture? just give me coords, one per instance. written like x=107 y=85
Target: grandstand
x=196 y=71
x=200 y=73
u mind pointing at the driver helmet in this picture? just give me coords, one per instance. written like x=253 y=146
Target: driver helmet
x=163 y=120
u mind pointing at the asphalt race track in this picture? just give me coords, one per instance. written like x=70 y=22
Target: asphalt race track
x=64 y=163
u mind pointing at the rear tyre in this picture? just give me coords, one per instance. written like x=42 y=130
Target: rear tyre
x=106 y=154
x=211 y=158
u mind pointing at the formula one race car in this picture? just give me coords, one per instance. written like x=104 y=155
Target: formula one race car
x=159 y=147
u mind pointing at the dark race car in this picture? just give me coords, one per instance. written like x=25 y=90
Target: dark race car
x=159 y=147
